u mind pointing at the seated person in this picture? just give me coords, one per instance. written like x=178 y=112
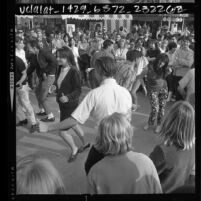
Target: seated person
x=114 y=141
x=174 y=158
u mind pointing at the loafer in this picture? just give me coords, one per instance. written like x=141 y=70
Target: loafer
x=83 y=148
x=22 y=123
x=73 y=157
x=41 y=113
x=46 y=119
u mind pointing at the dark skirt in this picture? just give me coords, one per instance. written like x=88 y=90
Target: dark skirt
x=66 y=109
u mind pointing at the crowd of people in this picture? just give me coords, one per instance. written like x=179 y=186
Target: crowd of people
x=115 y=66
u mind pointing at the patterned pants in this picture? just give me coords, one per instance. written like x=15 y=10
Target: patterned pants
x=158 y=101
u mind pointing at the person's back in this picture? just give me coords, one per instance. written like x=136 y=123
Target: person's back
x=177 y=166
x=129 y=173
x=109 y=98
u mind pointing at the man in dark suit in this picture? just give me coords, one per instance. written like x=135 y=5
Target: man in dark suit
x=48 y=65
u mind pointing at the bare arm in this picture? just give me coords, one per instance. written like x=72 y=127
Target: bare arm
x=24 y=75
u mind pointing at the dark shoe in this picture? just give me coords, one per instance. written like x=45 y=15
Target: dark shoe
x=46 y=119
x=34 y=128
x=41 y=113
x=22 y=123
x=73 y=157
x=83 y=148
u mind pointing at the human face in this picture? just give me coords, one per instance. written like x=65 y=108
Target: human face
x=72 y=42
x=139 y=43
x=151 y=45
x=118 y=37
x=20 y=45
x=132 y=45
x=39 y=35
x=164 y=44
x=61 y=61
x=122 y=44
x=172 y=50
x=185 y=44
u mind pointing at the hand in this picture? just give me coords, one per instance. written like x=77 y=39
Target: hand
x=43 y=128
x=63 y=99
x=44 y=76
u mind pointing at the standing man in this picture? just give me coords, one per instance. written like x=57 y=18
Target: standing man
x=108 y=98
x=24 y=109
x=48 y=66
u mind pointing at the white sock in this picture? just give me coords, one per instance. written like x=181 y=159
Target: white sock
x=50 y=115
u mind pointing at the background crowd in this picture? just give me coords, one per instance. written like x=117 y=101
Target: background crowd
x=114 y=65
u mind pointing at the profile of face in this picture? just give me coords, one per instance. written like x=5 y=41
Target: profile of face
x=20 y=45
x=61 y=61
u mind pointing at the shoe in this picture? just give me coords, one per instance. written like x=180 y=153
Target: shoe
x=146 y=127
x=46 y=119
x=73 y=157
x=158 y=129
x=22 y=123
x=34 y=128
x=41 y=113
x=83 y=148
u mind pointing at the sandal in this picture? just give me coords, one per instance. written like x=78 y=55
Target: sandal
x=73 y=157
x=83 y=148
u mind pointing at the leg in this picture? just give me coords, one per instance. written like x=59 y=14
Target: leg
x=24 y=98
x=20 y=113
x=37 y=92
x=153 y=98
x=143 y=86
x=134 y=89
x=69 y=140
x=162 y=97
x=79 y=132
x=44 y=93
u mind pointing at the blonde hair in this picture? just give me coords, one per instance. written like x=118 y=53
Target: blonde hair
x=178 y=127
x=38 y=176
x=114 y=135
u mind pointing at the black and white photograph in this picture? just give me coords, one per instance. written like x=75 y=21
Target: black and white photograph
x=105 y=103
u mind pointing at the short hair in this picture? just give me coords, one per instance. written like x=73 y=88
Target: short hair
x=66 y=52
x=38 y=176
x=178 y=126
x=132 y=55
x=171 y=45
x=107 y=43
x=106 y=66
x=34 y=43
x=114 y=135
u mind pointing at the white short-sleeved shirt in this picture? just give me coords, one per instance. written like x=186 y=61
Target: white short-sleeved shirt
x=21 y=54
x=188 y=82
x=103 y=101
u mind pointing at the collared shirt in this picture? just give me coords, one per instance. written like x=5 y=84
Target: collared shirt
x=183 y=61
x=21 y=55
x=121 y=53
x=188 y=82
x=100 y=102
x=62 y=75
